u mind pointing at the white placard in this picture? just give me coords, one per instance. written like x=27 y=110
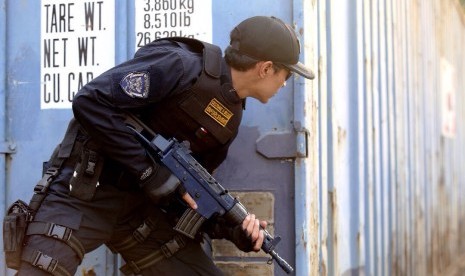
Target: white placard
x=448 y=91
x=156 y=19
x=77 y=44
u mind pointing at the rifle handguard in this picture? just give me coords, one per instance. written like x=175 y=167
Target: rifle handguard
x=236 y=215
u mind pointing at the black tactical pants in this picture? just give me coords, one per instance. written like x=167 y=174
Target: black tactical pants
x=112 y=215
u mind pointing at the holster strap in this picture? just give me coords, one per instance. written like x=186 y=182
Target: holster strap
x=58 y=232
x=41 y=188
x=48 y=177
x=166 y=251
x=44 y=262
x=138 y=236
x=60 y=154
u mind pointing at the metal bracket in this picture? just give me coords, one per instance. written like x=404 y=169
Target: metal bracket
x=278 y=145
x=302 y=144
x=7 y=148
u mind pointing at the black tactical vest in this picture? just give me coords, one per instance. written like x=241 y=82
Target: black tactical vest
x=208 y=114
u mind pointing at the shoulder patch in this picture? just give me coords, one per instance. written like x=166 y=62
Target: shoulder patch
x=136 y=84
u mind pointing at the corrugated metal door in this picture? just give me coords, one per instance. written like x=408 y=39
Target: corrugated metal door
x=51 y=48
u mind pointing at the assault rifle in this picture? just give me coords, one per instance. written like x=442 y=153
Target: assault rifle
x=211 y=198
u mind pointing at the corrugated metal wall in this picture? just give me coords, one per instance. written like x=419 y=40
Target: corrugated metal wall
x=390 y=174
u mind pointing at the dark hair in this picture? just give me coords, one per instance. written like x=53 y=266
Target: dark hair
x=241 y=62
x=237 y=60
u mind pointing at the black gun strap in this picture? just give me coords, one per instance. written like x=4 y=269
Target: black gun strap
x=137 y=124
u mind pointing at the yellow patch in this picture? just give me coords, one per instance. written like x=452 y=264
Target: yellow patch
x=218 y=112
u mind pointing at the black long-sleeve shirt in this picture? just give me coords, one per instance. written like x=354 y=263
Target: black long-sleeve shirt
x=163 y=68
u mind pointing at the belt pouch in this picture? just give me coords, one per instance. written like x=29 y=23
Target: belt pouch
x=14 y=228
x=86 y=175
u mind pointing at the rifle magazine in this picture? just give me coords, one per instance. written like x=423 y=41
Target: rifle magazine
x=189 y=223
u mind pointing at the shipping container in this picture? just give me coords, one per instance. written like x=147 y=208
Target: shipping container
x=360 y=171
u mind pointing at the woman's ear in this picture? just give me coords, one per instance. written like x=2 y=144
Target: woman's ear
x=265 y=68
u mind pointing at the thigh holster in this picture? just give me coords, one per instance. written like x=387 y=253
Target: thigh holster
x=58 y=232
x=134 y=267
x=167 y=250
x=44 y=262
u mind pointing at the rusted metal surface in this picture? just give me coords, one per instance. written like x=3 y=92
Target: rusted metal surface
x=306 y=169
x=245 y=268
x=383 y=142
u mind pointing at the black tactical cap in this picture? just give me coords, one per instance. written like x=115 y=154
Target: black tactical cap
x=269 y=38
